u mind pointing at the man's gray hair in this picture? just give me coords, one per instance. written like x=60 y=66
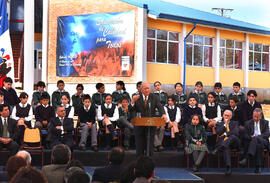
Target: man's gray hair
x=26 y=155
x=227 y=110
x=258 y=110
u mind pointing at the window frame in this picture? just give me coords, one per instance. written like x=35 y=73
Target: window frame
x=261 y=52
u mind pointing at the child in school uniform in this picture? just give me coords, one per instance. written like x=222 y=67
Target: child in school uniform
x=196 y=140
x=56 y=96
x=190 y=110
x=120 y=93
x=77 y=98
x=221 y=98
x=108 y=115
x=98 y=98
x=238 y=93
x=179 y=96
x=37 y=94
x=199 y=94
x=124 y=121
x=10 y=96
x=87 y=115
x=235 y=108
x=174 y=116
x=139 y=88
x=69 y=109
x=163 y=96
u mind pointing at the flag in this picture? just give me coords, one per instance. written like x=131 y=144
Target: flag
x=6 y=58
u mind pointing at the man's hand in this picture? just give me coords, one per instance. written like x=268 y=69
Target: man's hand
x=89 y=124
x=44 y=123
x=38 y=104
x=164 y=117
x=134 y=99
x=5 y=140
x=58 y=127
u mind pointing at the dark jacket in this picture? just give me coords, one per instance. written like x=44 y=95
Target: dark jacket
x=98 y=99
x=12 y=128
x=195 y=133
x=264 y=128
x=109 y=173
x=37 y=96
x=188 y=112
x=56 y=98
x=10 y=96
x=247 y=110
x=117 y=97
x=77 y=102
x=54 y=173
x=89 y=116
x=200 y=97
x=221 y=129
x=236 y=114
x=42 y=113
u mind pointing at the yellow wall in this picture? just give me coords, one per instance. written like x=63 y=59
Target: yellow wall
x=259 y=39
x=232 y=35
x=202 y=31
x=165 y=73
x=203 y=74
x=229 y=76
x=164 y=25
x=258 y=79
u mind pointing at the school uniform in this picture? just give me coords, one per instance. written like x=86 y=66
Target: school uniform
x=77 y=102
x=162 y=96
x=188 y=112
x=180 y=100
x=221 y=100
x=201 y=97
x=88 y=115
x=43 y=113
x=240 y=96
x=236 y=114
x=118 y=95
x=10 y=97
x=56 y=97
x=69 y=110
x=247 y=110
x=98 y=99
x=211 y=111
x=37 y=96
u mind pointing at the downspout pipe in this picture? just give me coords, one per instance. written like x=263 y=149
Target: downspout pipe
x=185 y=59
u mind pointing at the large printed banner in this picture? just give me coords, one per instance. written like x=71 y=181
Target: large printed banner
x=95 y=45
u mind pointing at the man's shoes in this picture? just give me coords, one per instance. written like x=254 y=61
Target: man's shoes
x=243 y=162
x=195 y=168
x=214 y=152
x=107 y=148
x=82 y=148
x=228 y=171
x=257 y=170
x=95 y=148
x=160 y=148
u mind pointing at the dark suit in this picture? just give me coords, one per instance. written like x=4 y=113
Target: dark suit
x=247 y=110
x=57 y=137
x=140 y=131
x=231 y=142
x=13 y=134
x=109 y=173
x=254 y=146
x=54 y=173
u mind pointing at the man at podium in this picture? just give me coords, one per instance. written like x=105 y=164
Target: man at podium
x=144 y=105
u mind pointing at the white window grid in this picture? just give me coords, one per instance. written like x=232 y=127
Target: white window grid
x=234 y=49
x=204 y=45
x=168 y=41
x=261 y=52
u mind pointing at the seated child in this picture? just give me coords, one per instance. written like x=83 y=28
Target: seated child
x=199 y=94
x=69 y=109
x=238 y=93
x=196 y=140
x=77 y=98
x=221 y=98
x=37 y=94
x=98 y=98
x=163 y=96
x=56 y=96
x=120 y=93
x=179 y=96
x=139 y=88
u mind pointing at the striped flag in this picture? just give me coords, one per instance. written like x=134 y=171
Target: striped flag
x=6 y=58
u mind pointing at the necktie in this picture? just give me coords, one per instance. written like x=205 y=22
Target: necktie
x=227 y=131
x=256 y=130
x=86 y=109
x=5 y=129
x=145 y=101
x=62 y=120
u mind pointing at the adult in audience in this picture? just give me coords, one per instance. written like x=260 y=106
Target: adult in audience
x=60 y=157
x=255 y=139
x=76 y=175
x=14 y=164
x=144 y=170
x=112 y=171
x=8 y=131
x=25 y=155
x=28 y=175
x=128 y=175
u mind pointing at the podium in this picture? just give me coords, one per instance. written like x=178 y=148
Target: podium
x=148 y=122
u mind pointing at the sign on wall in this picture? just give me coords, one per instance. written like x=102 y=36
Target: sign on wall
x=95 y=45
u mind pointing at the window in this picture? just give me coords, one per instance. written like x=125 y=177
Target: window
x=199 y=51
x=258 y=57
x=162 y=46
x=230 y=54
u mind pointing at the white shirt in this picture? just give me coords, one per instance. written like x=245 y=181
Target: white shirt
x=252 y=103
x=62 y=128
x=259 y=130
x=115 y=113
x=218 y=118
x=30 y=113
x=3 y=120
x=45 y=105
x=178 y=114
x=71 y=113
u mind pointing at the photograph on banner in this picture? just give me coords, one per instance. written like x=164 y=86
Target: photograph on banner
x=95 y=45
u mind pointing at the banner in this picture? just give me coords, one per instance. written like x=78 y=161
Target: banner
x=6 y=58
x=95 y=45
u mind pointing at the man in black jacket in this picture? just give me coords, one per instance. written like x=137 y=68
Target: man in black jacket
x=256 y=139
x=228 y=138
x=8 y=131
x=144 y=105
x=61 y=129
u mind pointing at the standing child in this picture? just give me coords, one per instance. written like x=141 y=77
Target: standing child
x=199 y=94
x=87 y=114
x=37 y=94
x=77 y=98
x=108 y=115
x=238 y=93
x=69 y=109
x=196 y=139
x=139 y=88
x=163 y=96
x=179 y=96
x=120 y=93
x=174 y=116
x=10 y=96
x=98 y=98
x=221 y=98
x=56 y=96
